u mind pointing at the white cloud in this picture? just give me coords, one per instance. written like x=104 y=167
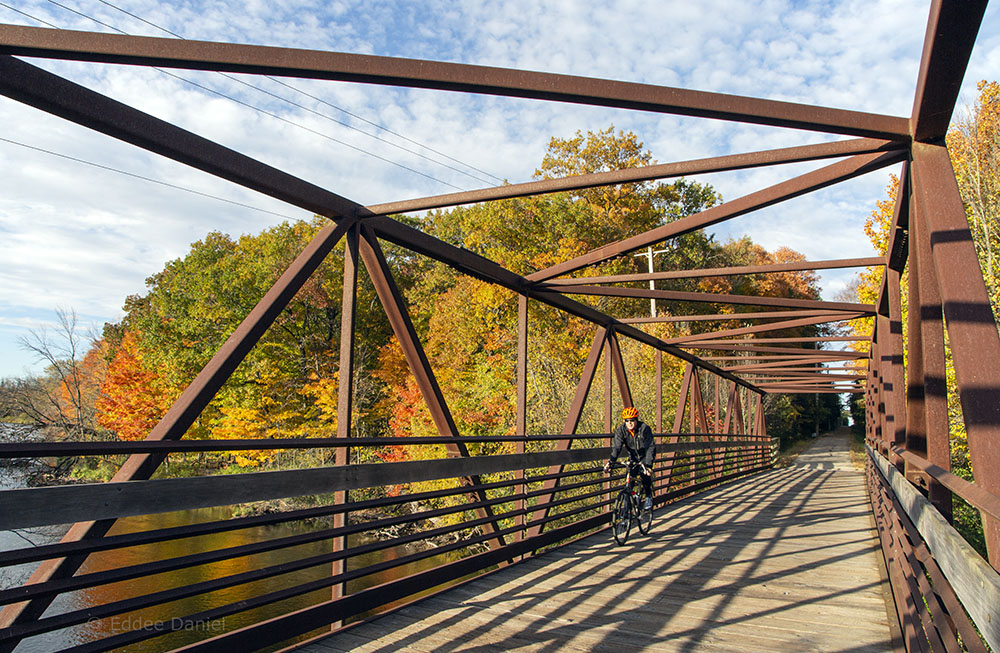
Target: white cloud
x=75 y=236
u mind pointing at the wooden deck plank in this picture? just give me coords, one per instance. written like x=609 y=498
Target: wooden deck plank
x=784 y=560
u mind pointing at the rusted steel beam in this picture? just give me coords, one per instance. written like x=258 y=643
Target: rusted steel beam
x=715 y=298
x=724 y=317
x=395 y=309
x=698 y=405
x=521 y=421
x=972 y=330
x=699 y=419
x=804 y=339
x=33 y=86
x=806 y=358
x=345 y=391
x=188 y=406
x=750 y=372
x=929 y=434
x=682 y=398
x=951 y=34
x=722 y=345
x=812 y=391
x=618 y=365
x=893 y=359
x=788 y=360
x=659 y=392
x=811 y=377
x=608 y=398
x=762 y=328
x=481 y=268
x=892 y=330
x=753 y=360
x=345 y=385
x=645 y=173
x=971 y=492
x=811 y=181
x=724 y=272
x=368 y=69
x=521 y=418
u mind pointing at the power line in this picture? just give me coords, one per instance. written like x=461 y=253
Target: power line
x=267 y=113
x=149 y=179
x=333 y=106
x=35 y=18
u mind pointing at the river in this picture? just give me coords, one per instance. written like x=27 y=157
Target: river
x=13 y=477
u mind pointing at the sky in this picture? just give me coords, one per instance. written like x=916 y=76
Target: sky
x=78 y=236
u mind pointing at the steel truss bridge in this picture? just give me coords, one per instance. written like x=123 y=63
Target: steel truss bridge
x=550 y=492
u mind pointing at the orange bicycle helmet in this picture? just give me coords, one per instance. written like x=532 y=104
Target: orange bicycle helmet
x=630 y=413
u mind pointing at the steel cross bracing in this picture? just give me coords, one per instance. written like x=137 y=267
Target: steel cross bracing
x=907 y=413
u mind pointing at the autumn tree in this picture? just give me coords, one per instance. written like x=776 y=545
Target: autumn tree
x=62 y=397
x=133 y=397
x=283 y=387
x=974 y=144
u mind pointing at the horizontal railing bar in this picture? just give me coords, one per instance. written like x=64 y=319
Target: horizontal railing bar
x=974 y=581
x=55 y=623
x=375 y=597
x=165 y=596
x=748 y=457
x=30 y=507
x=65 y=504
x=161 y=566
x=913 y=578
x=940 y=587
x=82 y=448
x=152 y=568
x=59 y=550
x=975 y=494
x=181 y=562
x=499 y=500
x=288 y=593
x=44 y=552
x=277 y=630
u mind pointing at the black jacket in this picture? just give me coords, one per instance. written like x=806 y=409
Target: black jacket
x=639 y=445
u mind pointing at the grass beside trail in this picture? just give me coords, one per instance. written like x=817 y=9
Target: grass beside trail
x=788 y=453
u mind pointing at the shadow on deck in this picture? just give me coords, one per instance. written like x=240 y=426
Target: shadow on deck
x=784 y=560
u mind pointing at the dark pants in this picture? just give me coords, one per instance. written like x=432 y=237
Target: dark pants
x=647 y=479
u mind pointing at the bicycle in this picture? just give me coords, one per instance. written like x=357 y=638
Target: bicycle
x=630 y=505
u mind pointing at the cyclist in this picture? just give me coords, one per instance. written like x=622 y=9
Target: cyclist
x=637 y=438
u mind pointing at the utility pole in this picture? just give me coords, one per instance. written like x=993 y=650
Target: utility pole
x=652 y=286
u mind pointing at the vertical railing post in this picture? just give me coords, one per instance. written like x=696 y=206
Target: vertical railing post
x=659 y=393
x=345 y=393
x=897 y=373
x=521 y=425
x=608 y=371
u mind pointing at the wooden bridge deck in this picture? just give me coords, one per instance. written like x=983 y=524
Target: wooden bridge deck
x=784 y=561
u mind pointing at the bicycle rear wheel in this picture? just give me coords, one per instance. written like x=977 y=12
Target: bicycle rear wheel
x=621 y=518
x=645 y=514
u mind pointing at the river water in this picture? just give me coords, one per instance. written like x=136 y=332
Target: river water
x=12 y=477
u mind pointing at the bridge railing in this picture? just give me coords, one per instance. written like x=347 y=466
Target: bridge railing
x=410 y=527
x=933 y=300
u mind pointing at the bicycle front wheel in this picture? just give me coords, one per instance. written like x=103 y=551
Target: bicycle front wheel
x=621 y=518
x=645 y=514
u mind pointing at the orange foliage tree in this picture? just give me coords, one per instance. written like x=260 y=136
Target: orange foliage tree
x=133 y=397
